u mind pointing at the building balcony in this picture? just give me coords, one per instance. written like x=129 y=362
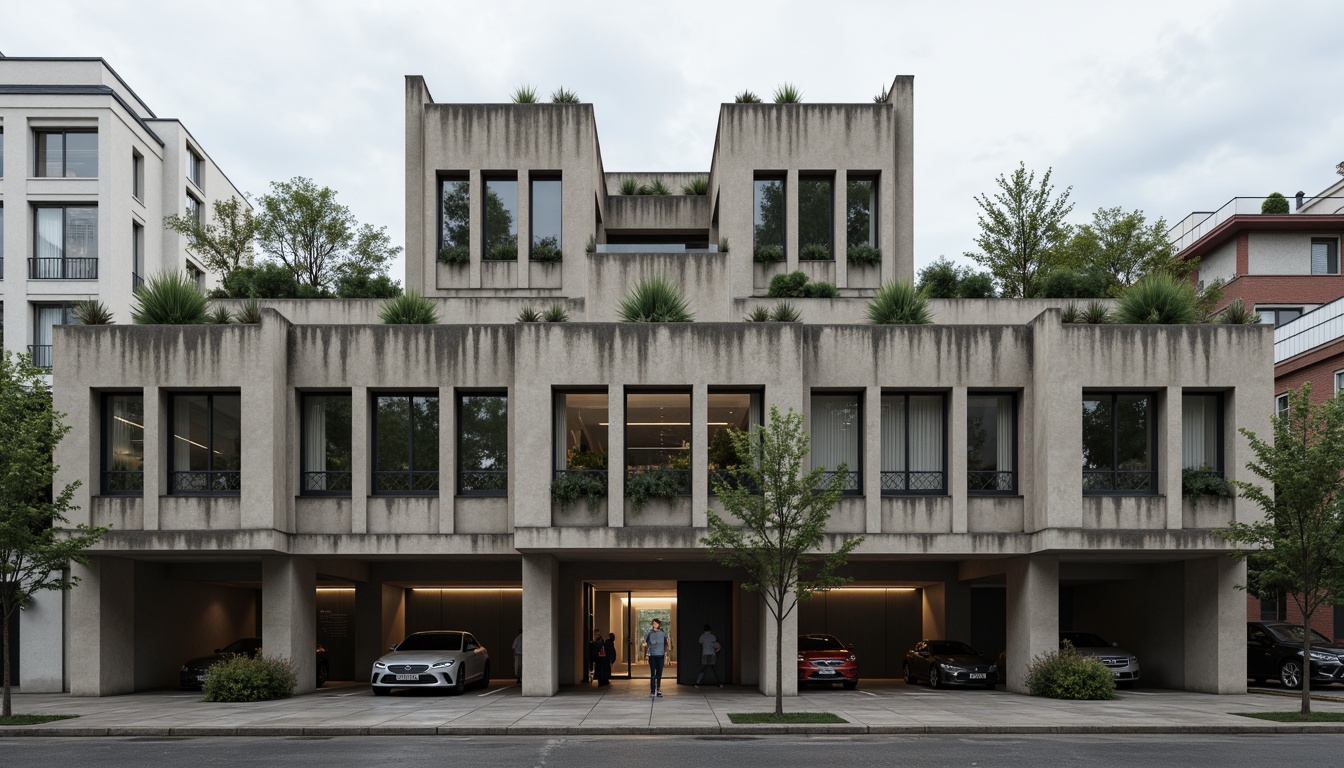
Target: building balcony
x=41 y=354
x=81 y=268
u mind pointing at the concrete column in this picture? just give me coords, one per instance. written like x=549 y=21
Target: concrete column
x=872 y=459
x=791 y=219
x=158 y=434
x=361 y=456
x=476 y=232
x=789 y=652
x=839 y=231
x=1033 y=614
x=901 y=207
x=380 y=621
x=1215 y=621
x=447 y=459
x=102 y=628
x=289 y=615
x=956 y=458
x=522 y=273
x=700 y=489
x=1169 y=456
x=541 y=623
x=41 y=658
x=616 y=456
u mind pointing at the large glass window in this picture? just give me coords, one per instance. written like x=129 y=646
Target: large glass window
x=837 y=437
x=501 y=220
x=547 y=215
x=1202 y=432
x=406 y=444
x=69 y=154
x=66 y=243
x=455 y=221
x=1118 y=444
x=483 y=444
x=137 y=175
x=913 y=453
x=581 y=432
x=206 y=454
x=123 y=444
x=137 y=254
x=1277 y=316
x=194 y=209
x=326 y=451
x=195 y=168
x=991 y=443
x=816 y=210
x=861 y=213
x=726 y=412
x=1324 y=256
x=769 y=219
x=658 y=434
x=45 y=318
x=1281 y=406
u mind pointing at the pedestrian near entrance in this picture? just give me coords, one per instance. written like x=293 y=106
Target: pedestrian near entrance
x=709 y=656
x=597 y=649
x=518 y=656
x=656 y=647
x=611 y=649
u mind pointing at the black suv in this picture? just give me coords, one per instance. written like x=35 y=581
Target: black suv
x=1274 y=650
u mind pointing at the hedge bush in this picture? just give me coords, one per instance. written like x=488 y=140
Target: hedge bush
x=1068 y=674
x=246 y=678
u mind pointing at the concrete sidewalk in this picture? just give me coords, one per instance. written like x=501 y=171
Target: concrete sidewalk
x=877 y=707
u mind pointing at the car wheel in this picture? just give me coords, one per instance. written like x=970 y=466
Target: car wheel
x=935 y=677
x=909 y=676
x=485 y=676
x=850 y=684
x=377 y=691
x=322 y=673
x=460 y=687
x=1290 y=674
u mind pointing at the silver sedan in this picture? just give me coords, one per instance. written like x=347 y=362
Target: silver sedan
x=440 y=659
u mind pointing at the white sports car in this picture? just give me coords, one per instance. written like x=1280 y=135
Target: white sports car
x=440 y=659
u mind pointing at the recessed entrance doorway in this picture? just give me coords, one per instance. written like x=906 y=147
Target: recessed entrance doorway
x=628 y=613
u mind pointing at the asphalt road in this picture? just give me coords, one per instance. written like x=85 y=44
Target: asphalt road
x=683 y=751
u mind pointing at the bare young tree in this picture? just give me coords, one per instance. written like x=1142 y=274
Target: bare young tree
x=1020 y=229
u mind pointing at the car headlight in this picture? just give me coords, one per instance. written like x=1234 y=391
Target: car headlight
x=953 y=667
x=852 y=657
x=440 y=664
x=993 y=667
x=1321 y=656
x=380 y=665
x=800 y=658
x=1133 y=659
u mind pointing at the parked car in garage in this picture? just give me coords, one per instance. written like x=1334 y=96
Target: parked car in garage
x=438 y=659
x=1274 y=651
x=824 y=659
x=1124 y=665
x=949 y=662
x=192 y=675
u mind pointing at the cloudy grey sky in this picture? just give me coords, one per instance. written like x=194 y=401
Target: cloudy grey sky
x=1164 y=106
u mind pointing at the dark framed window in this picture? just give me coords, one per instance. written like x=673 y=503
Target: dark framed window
x=137 y=175
x=658 y=435
x=991 y=443
x=547 y=216
x=500 y=211
x=45 y=318
x=454 y=219
x=914 y=444
x=725 y=413
x=326 y=466
x=861 y=212
x=137 y=255
x=1202 y=432
x=837 y=437
x=1324 y=256
x=123 y=444
x=483 y=444
x=1281 y=406
x=65 y=243
x=195 y=168
x=194 y=208
x=816 y=215
x=1277 y=316
x=67 y=154
x=406 y=444
x=580 y=440
x=206 y=455
x=1119 y=443
x=770 y=215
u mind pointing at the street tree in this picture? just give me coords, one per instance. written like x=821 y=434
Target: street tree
x=224 y=245
x=1297 y=550
x=302 y=226
x=36 y=544
x=774 y=519
x=1122 y=245
x=1021 y=227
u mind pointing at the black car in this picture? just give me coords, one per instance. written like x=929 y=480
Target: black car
x=192 y=676
x=949 y=662
x=1274 y=650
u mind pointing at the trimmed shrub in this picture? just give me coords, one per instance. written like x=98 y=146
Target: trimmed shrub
x=898 y=303
x=864 y=255
x=820 y=290
x=814 y=252
x=367 y=287
x=787 y=285
x=1067 y=674
x=244 y=678
x=976 y=285
x=456 y=255
x=655 y=300
x=502 y=252
x=571 y=488
x=1201 y=482
x=940 y=279
x=91 y=312
x=169 y=298
x=1068 y=284
x=1158 y=299
x=768 y=254
x=1274 y=203
x=409 y=309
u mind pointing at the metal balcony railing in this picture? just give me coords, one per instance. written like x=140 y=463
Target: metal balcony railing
x=41 y=354
x=1187 y=231
x=852 y=485
x=989 y=481
x=483 y=482
x=407 y=482
x=324 y=483
x=123 y=482
x=913 y=482
x=206 y=482
x=1120 y=481
x=63 y=269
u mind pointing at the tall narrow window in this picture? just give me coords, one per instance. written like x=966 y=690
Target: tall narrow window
x=1324 y=256
x=1281 y=406
x=137 y=175
x=406 y=444
x=580 y=447
x=913 y=453
x=193 y=209
x=137 y=255
x=658 y=435
x=2 y=237
x=455 y=220
x=1118 y=440
x=547 y=215
x=123 y=444
x=1339 y=375
x=206 y=454
x=816 y=210
x=837 y=434
x=1202 y=433
x=500 y=236
x=45 y=318
x=325 y=453
x=861 y=213
x=65 y=243
x=769 y=220
x=2 y=153
x=68 y=154
x=483 y=444
x=727 y=412
x=991 y=444
x=195 y=168
x=197 y=276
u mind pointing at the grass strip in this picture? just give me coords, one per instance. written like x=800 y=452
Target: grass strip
x=788 y=718
x=1295 y=717
x=33 y=719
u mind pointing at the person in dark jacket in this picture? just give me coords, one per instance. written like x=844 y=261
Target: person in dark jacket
x=597 y=650
x=611 y=652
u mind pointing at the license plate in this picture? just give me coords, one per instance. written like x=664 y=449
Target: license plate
x=977 y=675
x=826 y=672
x=200 y=678
x=408 y=677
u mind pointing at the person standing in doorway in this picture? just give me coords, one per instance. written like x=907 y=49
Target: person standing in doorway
x=611 y=649
x=656 y=647
x=601 y=660
x=709 y=656
x=518 y=656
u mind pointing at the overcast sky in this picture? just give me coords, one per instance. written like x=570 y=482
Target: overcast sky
x=1168 y=107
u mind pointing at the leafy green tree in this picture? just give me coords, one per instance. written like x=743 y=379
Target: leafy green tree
x=303 y=227
x=783 y=510
x=1074 y=284
x=367 y=287
x=35 y=546
x=1121 y=245
x=943 y=279
x=1298 y=549
x=226 y=244
x=1021 y=227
